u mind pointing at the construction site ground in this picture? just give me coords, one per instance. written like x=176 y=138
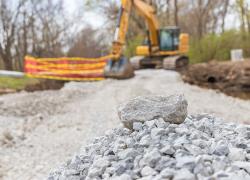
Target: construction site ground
x=41 y=130
x=232 y=78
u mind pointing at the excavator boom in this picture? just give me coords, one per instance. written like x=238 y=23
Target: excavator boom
x=119 y=67
x=144 y=10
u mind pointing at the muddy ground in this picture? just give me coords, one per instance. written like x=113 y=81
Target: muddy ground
x=232 y=78
x=41 y=130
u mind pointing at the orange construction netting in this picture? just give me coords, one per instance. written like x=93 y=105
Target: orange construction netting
x=67 y=69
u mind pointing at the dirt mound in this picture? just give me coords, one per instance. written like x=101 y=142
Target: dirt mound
x=232 y=78
x=7 y=91
x=40 y=85
x=45 y=85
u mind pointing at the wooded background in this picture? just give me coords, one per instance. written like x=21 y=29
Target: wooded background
x=45 y=29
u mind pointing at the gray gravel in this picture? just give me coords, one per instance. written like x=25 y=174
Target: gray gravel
x=40 y=130
x=203 y=147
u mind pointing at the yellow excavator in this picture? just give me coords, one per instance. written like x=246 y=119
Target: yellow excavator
x=165 y=48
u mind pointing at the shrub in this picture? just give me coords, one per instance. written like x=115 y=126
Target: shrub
x=218 y=46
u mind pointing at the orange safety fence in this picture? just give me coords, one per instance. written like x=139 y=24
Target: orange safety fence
x=67 y=69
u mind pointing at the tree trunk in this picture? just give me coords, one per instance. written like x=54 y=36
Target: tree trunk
x=224 y=14
x=8 y=65
x=176 y=13
x=168 y=12
x=248 y=23
x=243 y=15
x=200 y=19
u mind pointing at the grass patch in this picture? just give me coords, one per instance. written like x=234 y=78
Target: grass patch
x=16 y=83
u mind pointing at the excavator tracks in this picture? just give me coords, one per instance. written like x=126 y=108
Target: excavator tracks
x=175 y=63
x=136 y=62
x=168 y=63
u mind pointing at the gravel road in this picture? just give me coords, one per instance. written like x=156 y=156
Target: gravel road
x=39 y=131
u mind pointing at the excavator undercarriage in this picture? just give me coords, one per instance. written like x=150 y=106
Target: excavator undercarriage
x=177 y=63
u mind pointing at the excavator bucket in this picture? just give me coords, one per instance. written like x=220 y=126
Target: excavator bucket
x=121 y=69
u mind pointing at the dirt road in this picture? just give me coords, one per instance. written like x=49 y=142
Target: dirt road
x=41 y=130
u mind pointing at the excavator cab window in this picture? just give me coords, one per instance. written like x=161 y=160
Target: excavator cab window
x=169 y=39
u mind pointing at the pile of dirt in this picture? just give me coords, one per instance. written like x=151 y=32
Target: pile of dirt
x=232 y=78
x=45 y=85
x=7 y=91
x=41 y=85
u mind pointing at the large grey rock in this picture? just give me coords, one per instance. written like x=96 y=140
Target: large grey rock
x=171 y=109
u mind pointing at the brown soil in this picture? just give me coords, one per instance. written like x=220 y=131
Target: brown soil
x=41 y=86
x=7 y=91
x=232 y=78
x=45 y=85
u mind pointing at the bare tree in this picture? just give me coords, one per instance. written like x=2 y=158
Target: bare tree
x=224 y=14
x=176 y=13
x=8 y=29
x=88 y=43
x=242 y=10
x=32 y=27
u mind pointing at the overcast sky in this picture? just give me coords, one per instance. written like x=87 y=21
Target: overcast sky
x=93 y=18
x=96 y=20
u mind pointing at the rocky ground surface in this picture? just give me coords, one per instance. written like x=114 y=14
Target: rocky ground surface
x=203 y=147
x=40 y=130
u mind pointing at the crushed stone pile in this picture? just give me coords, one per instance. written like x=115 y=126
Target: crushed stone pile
x=201 y=147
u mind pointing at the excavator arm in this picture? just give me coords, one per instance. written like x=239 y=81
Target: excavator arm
x=119 y=67
x=144 y=10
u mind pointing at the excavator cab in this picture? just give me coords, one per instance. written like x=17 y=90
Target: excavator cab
x=169 y=39
x=170 y=53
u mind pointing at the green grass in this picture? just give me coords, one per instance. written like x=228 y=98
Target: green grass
x=16 y=83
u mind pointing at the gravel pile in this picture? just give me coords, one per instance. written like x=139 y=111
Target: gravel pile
x=202 y=147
